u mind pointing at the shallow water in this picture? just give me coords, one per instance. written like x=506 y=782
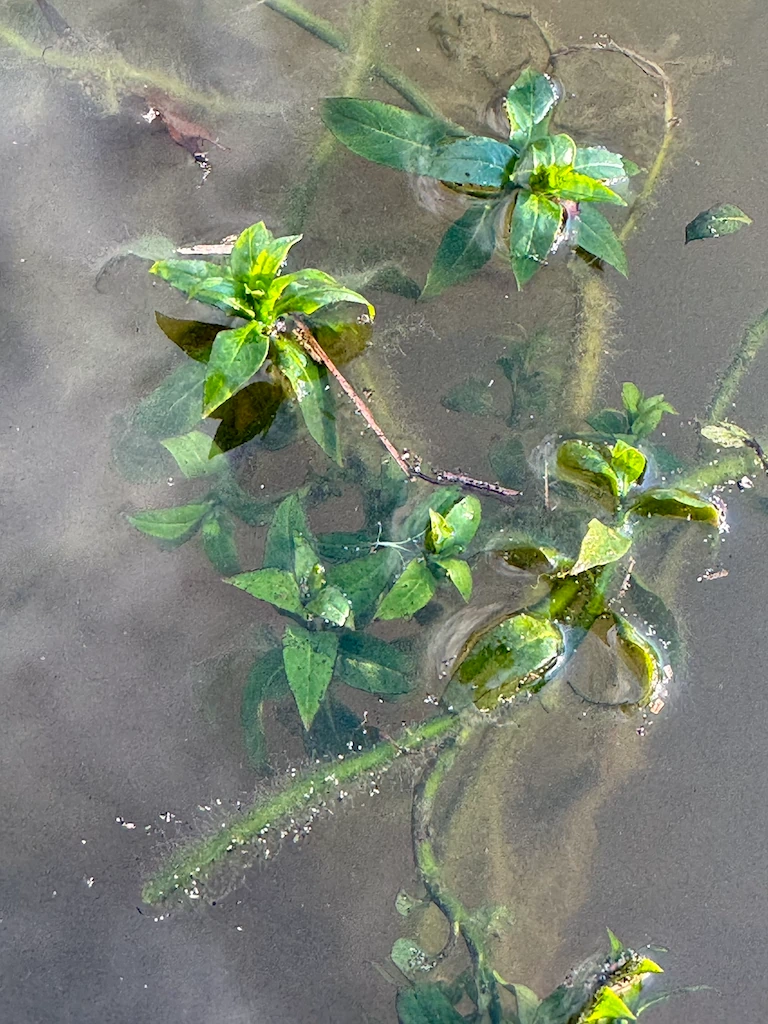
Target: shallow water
x=124 y=666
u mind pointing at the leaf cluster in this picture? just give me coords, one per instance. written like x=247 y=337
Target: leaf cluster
x=523 y=650
x=444 y=539
x=327 y=604
x=638 y=419
x=531 y=191
x=252 y=287
x=613 y=990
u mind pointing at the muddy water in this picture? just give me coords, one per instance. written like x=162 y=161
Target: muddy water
x=123 y=667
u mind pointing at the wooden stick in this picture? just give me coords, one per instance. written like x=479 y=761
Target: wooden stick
x=310 y=344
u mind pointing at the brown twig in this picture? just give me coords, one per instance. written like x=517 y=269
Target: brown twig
x=444 y=477
x=310 y=344
x=308 y=341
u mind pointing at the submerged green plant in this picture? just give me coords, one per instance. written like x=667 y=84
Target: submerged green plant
x=445 y=537
x=614 y=988
x=534 y=190
x=252 y=287
x=639 y=418
x=327 y=604
x=522 y=651
x=330 y=604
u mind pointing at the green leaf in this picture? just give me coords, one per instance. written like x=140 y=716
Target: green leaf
x=459 y=574
x=257 y=256
x=610 y=422
x=599 y=162
x=553 y=151
x=206 y=282
x=247 y=414
x=218 y=536
x=192 y=453
x=535 y=226
x=309 y=659
x=527 y=1004
x=439 y=534
x=363 y=580
x=726 y=435
x=528 y=102
x=173 y=525
x=235 y=357
x=630 y=167
x=609 y=1006
x=306 y=568
x=370 y=664
x=412 y=589
x=387 y=135
x=442 y=500
x=344 y=547
x=671 y=501
x=426 y=1004
x=513 y=654
x=266 y=681
x=587 y=466
x=473 y=161
x=307 y=291
x=174 y=406
x=466 y=246
x=617 y=946
x=628 y=464
x=595 y=234
x=463 y=519
x=331 y=606
x=309 y=382
x=719 y=220
x=601 y=544
x=539 y=559
x=631 y=396
x=192 y=336
x=565 y=183
x=276 y=586
x=649 y=415
x=289 y=521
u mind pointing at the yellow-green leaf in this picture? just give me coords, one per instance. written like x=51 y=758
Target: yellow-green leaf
x=601 y=545
x=609 y=1006
x=459 y=574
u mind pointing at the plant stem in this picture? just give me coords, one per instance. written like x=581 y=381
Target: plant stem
x=596 y=315
x=596 y=303
x=460 y=920
x=115 y=73
x=718 y=471
x=194 y=864
x=325 y=31
x=752 y=341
